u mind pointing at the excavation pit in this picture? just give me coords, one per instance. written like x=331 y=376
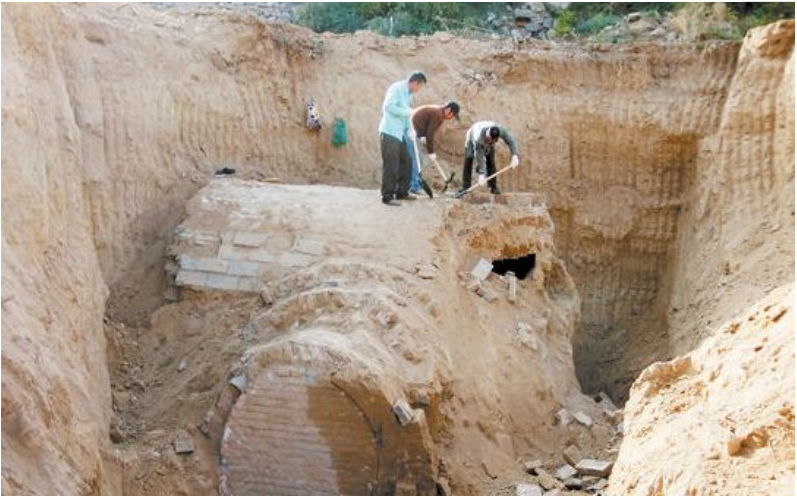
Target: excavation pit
x=668 y=169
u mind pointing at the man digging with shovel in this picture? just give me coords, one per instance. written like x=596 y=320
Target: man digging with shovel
x=426 y=120
x=479 y=142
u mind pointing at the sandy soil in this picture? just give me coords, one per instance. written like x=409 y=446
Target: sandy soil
x=720 y=420
x=668 y=171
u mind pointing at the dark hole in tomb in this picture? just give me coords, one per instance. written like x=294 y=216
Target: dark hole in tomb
x=522 y=266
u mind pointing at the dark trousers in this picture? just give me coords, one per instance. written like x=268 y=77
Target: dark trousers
x=396 y=167
x=467 y=171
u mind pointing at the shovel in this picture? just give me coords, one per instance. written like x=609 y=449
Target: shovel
x=447 y=180
x=424 y=185
x=465 y=192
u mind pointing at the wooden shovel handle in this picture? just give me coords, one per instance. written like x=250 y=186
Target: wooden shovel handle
x=486 y=180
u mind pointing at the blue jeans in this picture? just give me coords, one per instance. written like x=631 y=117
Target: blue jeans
x=417 y=164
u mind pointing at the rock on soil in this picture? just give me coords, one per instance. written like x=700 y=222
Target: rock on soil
x=532 y=465
x=183 y=445
x=545 y=479
x=403 y=412
x=572 y=455
x=528 y=489
x=594 y=467
x=563 y=417
x=565 y=472
x=583 y=419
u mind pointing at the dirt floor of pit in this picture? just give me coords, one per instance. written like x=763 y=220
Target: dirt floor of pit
x=156 y=399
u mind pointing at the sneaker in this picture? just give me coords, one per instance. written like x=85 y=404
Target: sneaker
x=495 y=191
x=391 y=202
x=406 y=197
x=417 y=191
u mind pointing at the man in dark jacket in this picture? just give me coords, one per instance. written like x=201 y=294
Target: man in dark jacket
x=479 y=141
x=426 y=120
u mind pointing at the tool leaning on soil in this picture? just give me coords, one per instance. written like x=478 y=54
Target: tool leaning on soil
x=447 y=179
x=417 y=165
x=488 y=178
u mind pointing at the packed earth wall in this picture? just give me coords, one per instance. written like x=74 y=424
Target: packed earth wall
x=668 y=171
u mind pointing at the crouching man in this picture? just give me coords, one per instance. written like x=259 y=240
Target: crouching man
x=479 y=148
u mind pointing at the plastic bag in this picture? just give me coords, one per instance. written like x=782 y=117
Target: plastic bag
x=340 y=135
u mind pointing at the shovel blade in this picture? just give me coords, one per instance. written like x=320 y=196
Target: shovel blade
x=426 y=188
x=447 y=181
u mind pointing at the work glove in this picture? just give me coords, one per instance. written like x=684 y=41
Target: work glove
x=432 y=157
x=482 y=180
x=515 y=162
x=423 y=140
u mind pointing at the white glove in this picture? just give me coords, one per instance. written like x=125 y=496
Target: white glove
x=433 y=157
x=515 y=162
x=412 y=134
x=423 y=140
x=482 y=180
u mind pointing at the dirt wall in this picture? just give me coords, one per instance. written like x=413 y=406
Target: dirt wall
x=56 y=395
x=736 y=231
x=115 y=114
x=720 y=418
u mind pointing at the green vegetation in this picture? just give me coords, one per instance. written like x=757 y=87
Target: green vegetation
x=702 y=20
x=564 y=24
x=728 y=21
x=693 y=20
x=596 y=23
x=334 y=17
x=751 y=14
x=396 y=18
